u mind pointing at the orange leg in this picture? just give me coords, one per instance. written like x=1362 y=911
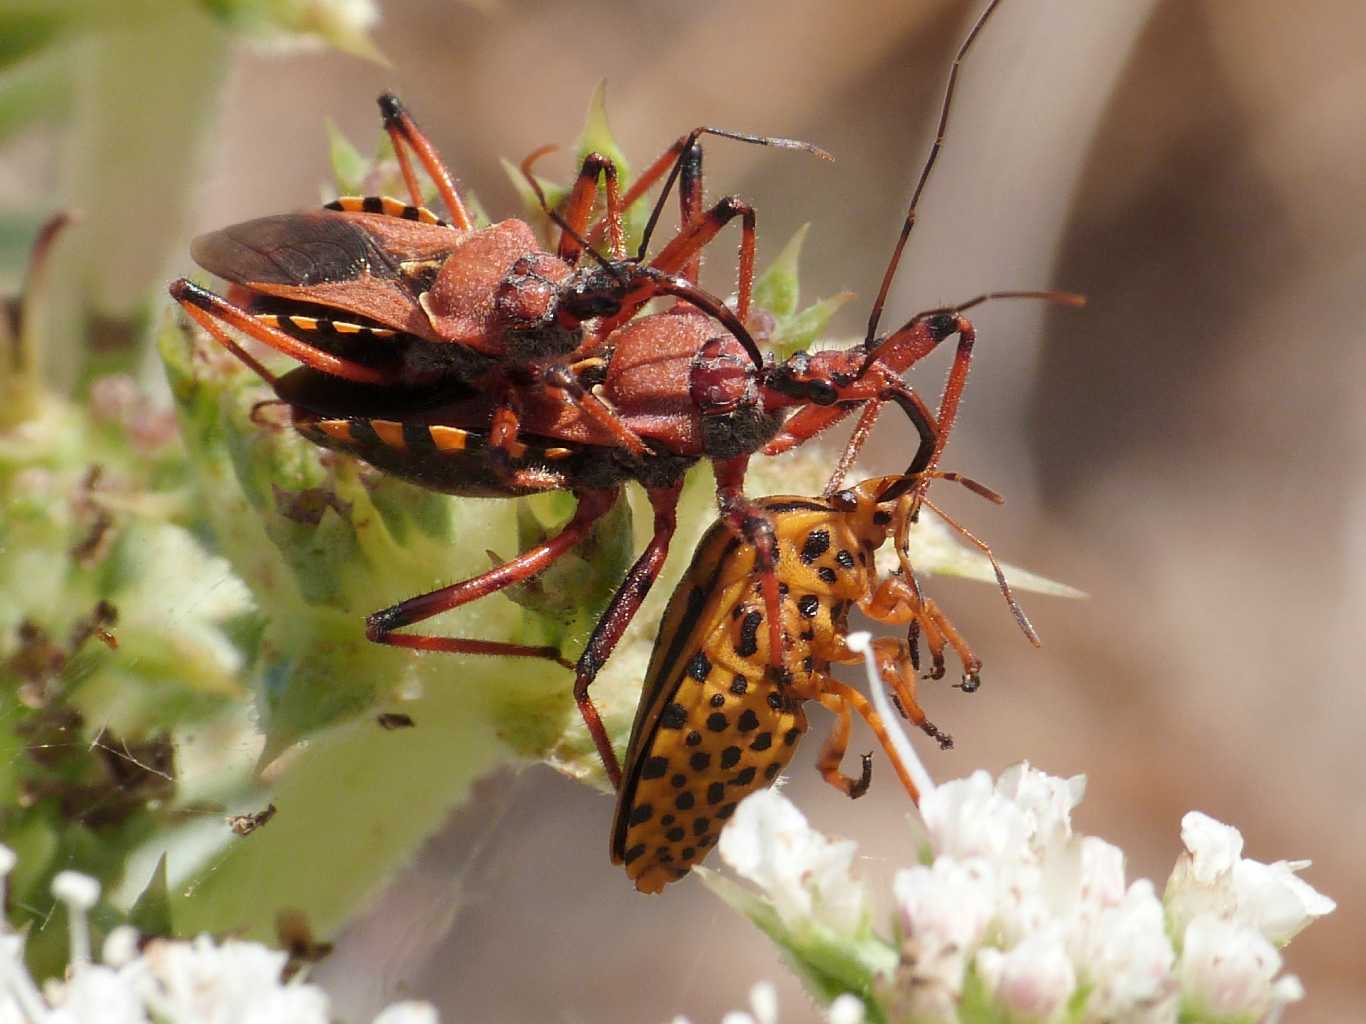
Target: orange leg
x=898 y=601
x=212 y=312
x=578 y=206
x=832 y=753
x=402 y=129
x=860 y=703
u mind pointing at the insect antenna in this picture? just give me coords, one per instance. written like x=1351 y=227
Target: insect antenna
x=685 y=144
x=681 y=287
x=909 y=223
x=1071 y=300
x=1025 y=626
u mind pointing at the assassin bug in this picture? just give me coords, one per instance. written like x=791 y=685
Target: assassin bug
x=717 y=722
x=377 y=292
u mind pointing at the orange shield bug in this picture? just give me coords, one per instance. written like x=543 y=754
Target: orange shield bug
x=716 y=721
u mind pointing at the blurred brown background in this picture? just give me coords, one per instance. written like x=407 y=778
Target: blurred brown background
x=1189 y=449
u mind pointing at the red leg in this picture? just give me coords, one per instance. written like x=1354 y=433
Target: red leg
x=562 y=379
x=622 y=609
x=675 y=257
x=380 y=627
x=402 y=129
x=700 y=231
x=753 y=527
x=211 y=312
x=578 y=205
x=690 y=194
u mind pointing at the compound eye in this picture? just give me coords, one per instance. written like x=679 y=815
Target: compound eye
x=821 y=392
x=844 y=501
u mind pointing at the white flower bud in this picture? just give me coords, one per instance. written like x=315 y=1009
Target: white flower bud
x=1033 y=981
x=1212 y=877
x=77 y=891
x=1227 y=969
x=967 y=818
x=408 y=1013
x=1045 y=800
x=846 y=1009
x=807 y=876
x=1127 y=959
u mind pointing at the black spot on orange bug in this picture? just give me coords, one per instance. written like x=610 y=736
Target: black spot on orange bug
x=655 y=768
x=817 y=543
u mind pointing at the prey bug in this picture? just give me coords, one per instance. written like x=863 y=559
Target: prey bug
x=716 y=721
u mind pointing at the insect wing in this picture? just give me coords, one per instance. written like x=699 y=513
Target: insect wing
x=358 y=263
x=713 y=583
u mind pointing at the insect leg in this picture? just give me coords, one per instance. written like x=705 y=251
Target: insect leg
x=700 y=231
x=382 y=625
x=893 y=659
x=745 y=520
x=402 y=129
x=578 y=207
x=622 y=609
x=832 y=752
x=562 y=379
x=860 y=703
x=212 y=312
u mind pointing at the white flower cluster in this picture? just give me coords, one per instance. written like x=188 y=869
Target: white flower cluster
x=763 y=1009
x=1013 y=916
x=164 y=981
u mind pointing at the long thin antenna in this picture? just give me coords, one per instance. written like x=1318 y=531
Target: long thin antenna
x=687 y=143
x=909 y=223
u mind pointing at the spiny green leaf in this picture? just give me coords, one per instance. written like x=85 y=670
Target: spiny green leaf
x=531 y=205
x=798 y=333
x=597 y=137
x=349 y=167
x=777 y=288
x=151 y=914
